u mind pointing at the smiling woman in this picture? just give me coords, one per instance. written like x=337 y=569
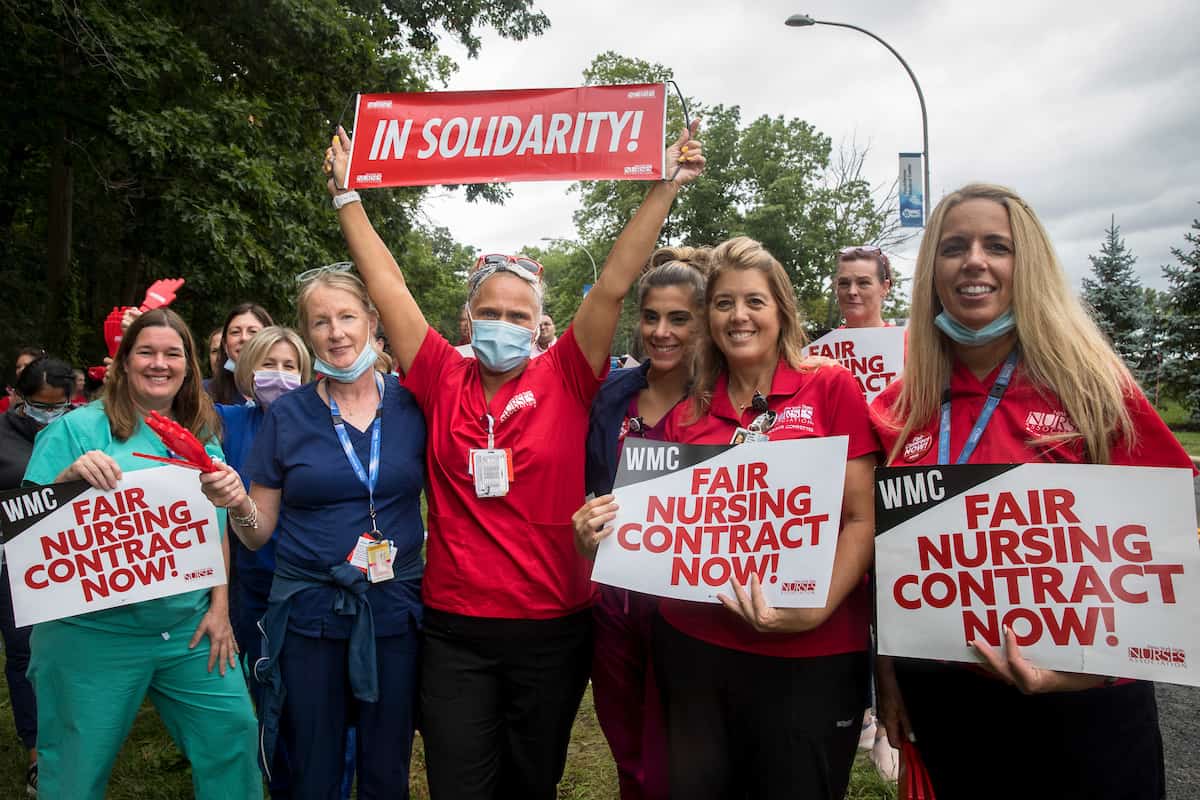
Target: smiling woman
x=91 y=672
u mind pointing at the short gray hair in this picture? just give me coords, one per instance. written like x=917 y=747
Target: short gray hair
x=477 y=279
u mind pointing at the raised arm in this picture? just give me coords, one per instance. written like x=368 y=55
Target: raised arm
x=398 y=309
x=596 y=321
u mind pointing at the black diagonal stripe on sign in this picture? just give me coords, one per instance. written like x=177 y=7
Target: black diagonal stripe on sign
x=902 y=493
x=22 y=508
x=644 y=460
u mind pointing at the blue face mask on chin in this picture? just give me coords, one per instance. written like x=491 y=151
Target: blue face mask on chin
x=43 y=417
x=963 y=335
x=365 y=361
x=230 y=365
x=500 y=346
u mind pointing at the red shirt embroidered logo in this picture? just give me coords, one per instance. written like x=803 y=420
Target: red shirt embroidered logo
x=1040 y=423
x=798 y=417
x=523 y=400
x=917 y=447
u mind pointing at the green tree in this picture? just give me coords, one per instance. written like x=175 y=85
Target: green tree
x=775 y=179
x=1115 y=295
x=1182 y=323
x=145 y=140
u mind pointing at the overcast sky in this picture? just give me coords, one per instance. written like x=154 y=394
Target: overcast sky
x=1085 y=108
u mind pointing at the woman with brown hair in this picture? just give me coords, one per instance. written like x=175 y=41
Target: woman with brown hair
x=91 y=672
x=765 y=702
x=241 y=323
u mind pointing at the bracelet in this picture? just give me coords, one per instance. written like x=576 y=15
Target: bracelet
x=249 y=520
x=345 y=198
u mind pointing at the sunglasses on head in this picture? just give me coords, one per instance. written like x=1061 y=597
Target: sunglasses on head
x=867 y=251
x=497 y=259
x=338 y=266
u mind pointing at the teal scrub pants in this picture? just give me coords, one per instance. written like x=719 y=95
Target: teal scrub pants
x=90 y=684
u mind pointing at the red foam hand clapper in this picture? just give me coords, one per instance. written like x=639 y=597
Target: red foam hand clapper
x=179 y=440
x=161 y=293
x=112 y=330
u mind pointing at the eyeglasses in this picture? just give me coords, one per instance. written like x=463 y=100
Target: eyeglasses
x=498 y=259
x=338 y=266
x=867 y=251
x=49 y=407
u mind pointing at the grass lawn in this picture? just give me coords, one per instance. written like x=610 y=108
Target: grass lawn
x=151 y=768
x=1177 y=420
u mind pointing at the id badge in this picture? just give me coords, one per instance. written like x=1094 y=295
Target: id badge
x=379 y=561
x=359 y=556
x=492 y=470
x=742 y=435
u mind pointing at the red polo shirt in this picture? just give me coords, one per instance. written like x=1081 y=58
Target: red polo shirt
x=1026 y=412
x=824 y=401
x=513 y=556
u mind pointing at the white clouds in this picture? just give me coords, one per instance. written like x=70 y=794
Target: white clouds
x=1086 y=108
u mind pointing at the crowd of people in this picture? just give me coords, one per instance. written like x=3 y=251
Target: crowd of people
x=312 y=669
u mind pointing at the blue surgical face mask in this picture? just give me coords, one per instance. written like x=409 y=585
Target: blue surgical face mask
x=43 y=417
x=364 y=362
x=269 y=384
x=230 y=365
x=963 y=335
x=500 y=346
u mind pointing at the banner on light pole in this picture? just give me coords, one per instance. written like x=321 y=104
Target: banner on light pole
x=912 y=192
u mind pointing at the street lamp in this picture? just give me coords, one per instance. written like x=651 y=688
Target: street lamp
x=577 y=246
x=804 y=21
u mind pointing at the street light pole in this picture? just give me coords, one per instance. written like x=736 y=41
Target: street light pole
x=804 y=21
x=577 y=246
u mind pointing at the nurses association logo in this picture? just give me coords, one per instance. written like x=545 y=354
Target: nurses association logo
x=523 y=400
x=795 y=418
x=1040 y=423
x=917 y=447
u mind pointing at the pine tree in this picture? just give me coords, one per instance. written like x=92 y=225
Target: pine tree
x=1116 y=298
x=1182 y=368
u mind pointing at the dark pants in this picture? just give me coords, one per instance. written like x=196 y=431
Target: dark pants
x=742 y=726
x=319 y=708
x=498 y=699
x=981 y=738
x=246 y=609
x=626 y=694
x=20 y=690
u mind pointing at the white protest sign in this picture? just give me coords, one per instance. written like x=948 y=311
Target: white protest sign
x=874 y=356
x=72 y=549
x=693 y=518
x=1094 y=568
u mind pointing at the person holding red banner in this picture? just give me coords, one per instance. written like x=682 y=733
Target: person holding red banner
x=91 y=672
x=1006 y=366
x=635 y=402
x=863 y=281
x=765 y=702
x=508 y=633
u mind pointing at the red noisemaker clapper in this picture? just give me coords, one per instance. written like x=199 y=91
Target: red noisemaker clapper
x=179 y=440
x=915 y=783
x=159 y=295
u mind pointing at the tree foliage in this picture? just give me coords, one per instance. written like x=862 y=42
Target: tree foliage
x=1182 y=323
x=776 y=179
x=1115 y=296
x=145 y=140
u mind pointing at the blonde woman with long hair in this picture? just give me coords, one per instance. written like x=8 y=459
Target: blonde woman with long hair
x=992 y=312
x=764 y=702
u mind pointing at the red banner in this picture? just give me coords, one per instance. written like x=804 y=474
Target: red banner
x=585 y=133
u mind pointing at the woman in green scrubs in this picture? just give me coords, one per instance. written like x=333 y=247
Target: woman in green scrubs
x=91 y=672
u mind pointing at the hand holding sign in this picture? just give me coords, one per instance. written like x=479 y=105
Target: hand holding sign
x=337 y=157
x=753 y=608
x=1014 y=669
x=96 y=467
x=592 y=524
x=685 y=161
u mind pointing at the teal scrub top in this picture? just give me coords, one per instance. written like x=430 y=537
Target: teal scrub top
x=85 y=429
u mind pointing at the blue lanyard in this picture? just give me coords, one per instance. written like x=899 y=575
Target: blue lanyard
x=994 y=398
x=372 y=480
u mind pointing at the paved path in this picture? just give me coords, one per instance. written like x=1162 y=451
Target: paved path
x=1179 y=719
